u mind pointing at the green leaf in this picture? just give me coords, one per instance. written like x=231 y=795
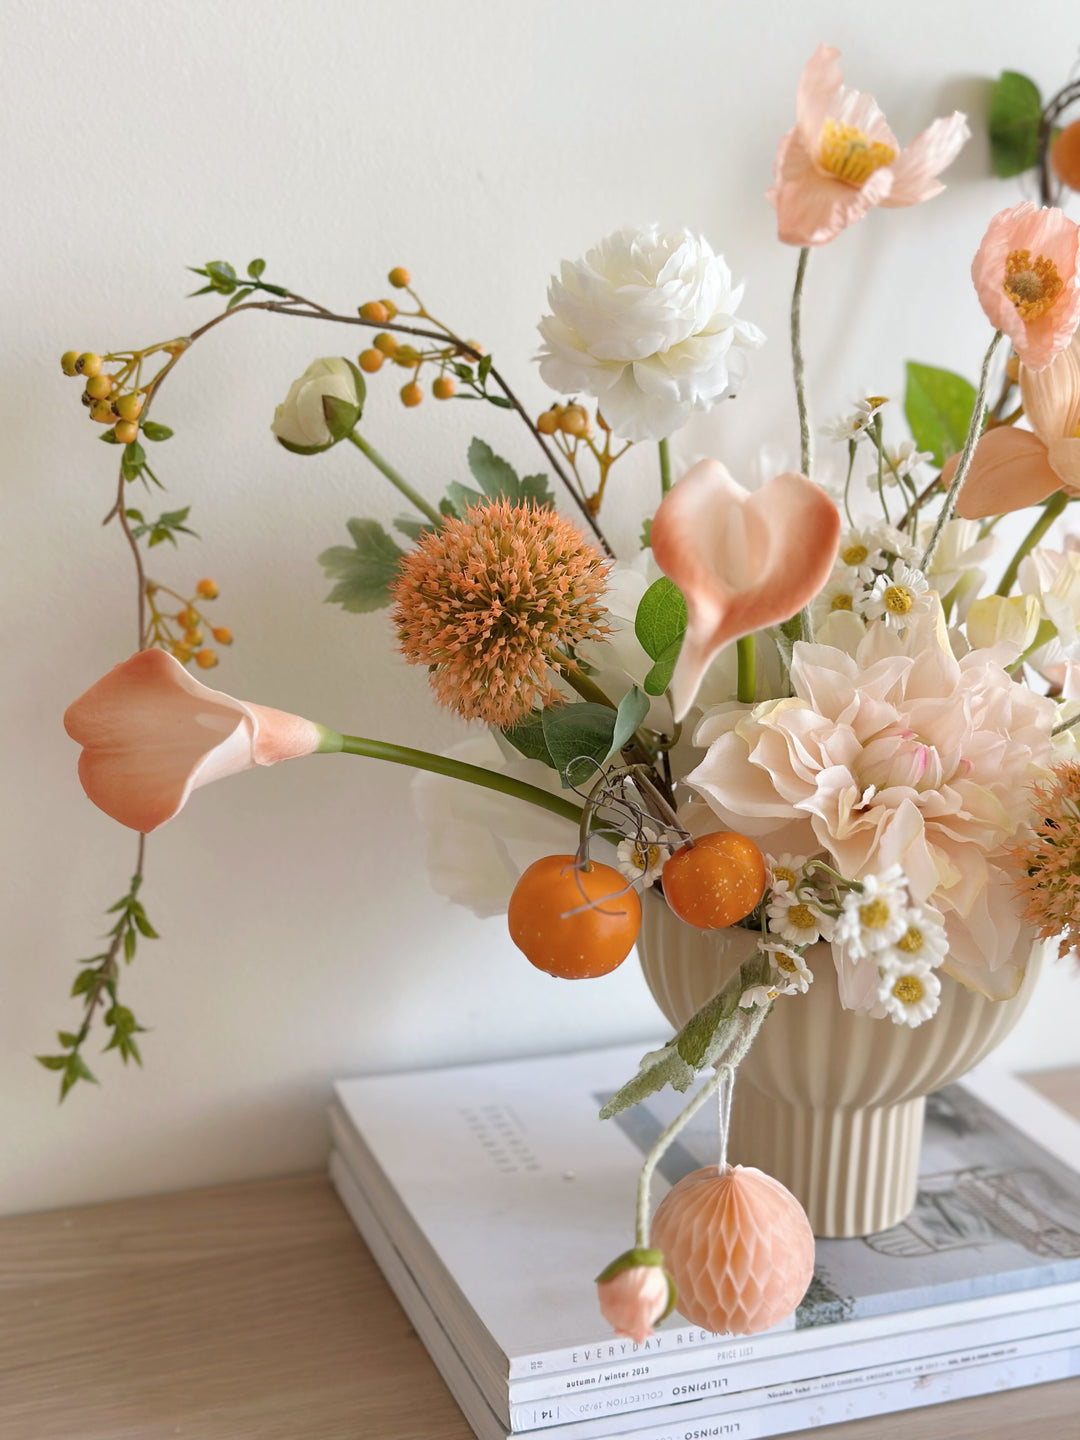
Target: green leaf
x=84 y=982
x=67 y=1038
x=499 y=400
x=109 y=436
x=236 y=299
x=1015 y=116
x=341 y=416
x=75 y=1070
x=221 y=275
x=153 y=431
x=255 y=269
x=496 y=477
x=413 y=527
x=365 y=570
x=661 y=617
x=633 y=708
x=483 y=370
x=659 y=677
x=459 y=498
x=646 y=534
x=528 y=737
x=535 y=488
x=938 y=406
x=709 y=1030
x=52 y=1062
x=658 y=1068
x=130 y=941
x=145 y=928
x=579 y=739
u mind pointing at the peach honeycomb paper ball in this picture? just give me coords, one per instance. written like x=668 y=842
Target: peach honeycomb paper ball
x=738 y=1246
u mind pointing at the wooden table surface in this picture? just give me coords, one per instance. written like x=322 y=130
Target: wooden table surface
x=254 y=1312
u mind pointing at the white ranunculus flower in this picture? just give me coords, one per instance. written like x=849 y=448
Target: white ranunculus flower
x=321 y=407
x=646 y=324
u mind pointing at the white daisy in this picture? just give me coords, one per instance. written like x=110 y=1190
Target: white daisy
x=924 y=942
x=909 y=993
x=784 y=870
x=844 y=590
x=895 y=542
x=874 y=918
x=904 y=461
x=642 y=857
x=757 y=995
x=897 y=599
x=796 y=921
x=790 y=973
x=860 y=550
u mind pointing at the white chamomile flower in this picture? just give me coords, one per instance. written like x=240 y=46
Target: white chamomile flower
x=903 y=461
x=909 y=993
x=874 y=918
x=784 y=870
x=795 y=921
x=854 y=427
x=895 y=542
x=790 y=973
x=924 y=942
x=843 y=591
x=860 y=550
x=757 y=995
x=899 y=598
x=642 y=857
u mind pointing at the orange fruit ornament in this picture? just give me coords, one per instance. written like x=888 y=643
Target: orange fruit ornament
x=571 y=922
x=716 y=881
x=1065 y=156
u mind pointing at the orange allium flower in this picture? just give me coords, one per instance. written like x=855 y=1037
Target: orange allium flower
x=492 y=603
x=1048 y=860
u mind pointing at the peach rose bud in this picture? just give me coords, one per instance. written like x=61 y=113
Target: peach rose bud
x=635 y=1292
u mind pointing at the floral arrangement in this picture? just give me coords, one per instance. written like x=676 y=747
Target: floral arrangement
x=783 y=714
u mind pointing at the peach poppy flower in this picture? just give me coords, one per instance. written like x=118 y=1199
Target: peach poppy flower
x=151 y=734
x=841 y=159
x=1027 y=276
x=743 y=561
x=1014 y=468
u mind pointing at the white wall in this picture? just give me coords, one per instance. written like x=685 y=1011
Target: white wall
x=477 y=143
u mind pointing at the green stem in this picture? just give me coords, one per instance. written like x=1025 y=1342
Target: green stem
x=332 y=742
x=413 y=496
x=974 y=430
x=880 y=446
x=747 y=685
x=797 y=362
x=1051 y=510
x=665 y=467
x=576 y=678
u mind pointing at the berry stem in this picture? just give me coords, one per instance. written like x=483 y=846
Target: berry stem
x=332 y=743
x=395 y=478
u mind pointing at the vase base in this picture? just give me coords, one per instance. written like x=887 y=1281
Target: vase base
x=855 y=1170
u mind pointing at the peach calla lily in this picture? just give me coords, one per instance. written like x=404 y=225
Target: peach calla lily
x=841 y=159
x=1014 y=468
x=743 y=561
x=1027 y=277
x=151 y=734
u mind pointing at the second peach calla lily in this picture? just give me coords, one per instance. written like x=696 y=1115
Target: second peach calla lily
x=151 y=734
x=743 y=560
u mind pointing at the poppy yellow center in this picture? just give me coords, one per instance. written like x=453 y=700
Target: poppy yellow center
x=802 y=917
x=911 y=942
x=783 y=873
x=874 y=914
x=898 y=599
x=785 y=962
x=854 y=554
x=909 y=989
x=841 y=602
x=850 y=154
x=1032 y=285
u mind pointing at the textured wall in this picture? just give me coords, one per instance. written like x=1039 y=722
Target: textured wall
x=477 y=143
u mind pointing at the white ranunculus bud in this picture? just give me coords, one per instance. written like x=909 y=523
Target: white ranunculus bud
x=321 y=407
x=646 y=324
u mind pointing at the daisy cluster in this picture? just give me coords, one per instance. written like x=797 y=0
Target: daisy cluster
x=876 y=576
x=886 y=947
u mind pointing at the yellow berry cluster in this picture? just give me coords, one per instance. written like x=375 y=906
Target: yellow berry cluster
x=104 y=396
x=572 y=419
x=182 y=633
x=386 y=346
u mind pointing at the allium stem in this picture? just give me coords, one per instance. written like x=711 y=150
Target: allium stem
x=455 y=769
x=413 y=496
x=1051 y=510
x=747 y=683
x=974 y=430
x=665 y=467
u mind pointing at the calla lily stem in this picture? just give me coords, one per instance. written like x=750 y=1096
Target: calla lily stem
x=1051 y=510
x=332 y=743
x=413 y=496
x=747 y=683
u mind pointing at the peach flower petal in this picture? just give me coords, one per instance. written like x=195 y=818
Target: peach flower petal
x=743 y=561
x=822 y=96
x=811 y=207
x=1047 y=234
x=916 y=168
x=1009 y=470
x=634 y=1300
x=151 y=734
x=1051 y=396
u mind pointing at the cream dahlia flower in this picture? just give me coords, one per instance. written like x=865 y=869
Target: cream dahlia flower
x=646 y=324
x=897 y=755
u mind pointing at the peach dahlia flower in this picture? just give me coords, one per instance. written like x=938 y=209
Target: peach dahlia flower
x=1014 y=468
x=151 y=734
x=1027 y=276
x=898 y=754
x=841 y=159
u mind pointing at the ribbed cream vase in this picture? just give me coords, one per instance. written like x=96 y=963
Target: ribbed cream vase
x=829 y=1102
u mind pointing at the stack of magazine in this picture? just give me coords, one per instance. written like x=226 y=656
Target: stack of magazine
x=491 y=1196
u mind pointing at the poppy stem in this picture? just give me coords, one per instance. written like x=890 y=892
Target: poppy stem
x=805 y=624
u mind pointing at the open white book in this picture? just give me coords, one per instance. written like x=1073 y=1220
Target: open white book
x=502 y=1194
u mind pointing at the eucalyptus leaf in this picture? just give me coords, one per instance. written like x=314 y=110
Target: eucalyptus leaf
x=365 y=570
x=577 y=735
x=659 y=677
x=1015 y=117
x=528 y=738
x=633 y=708
x=661 y=617
x=938 y=406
